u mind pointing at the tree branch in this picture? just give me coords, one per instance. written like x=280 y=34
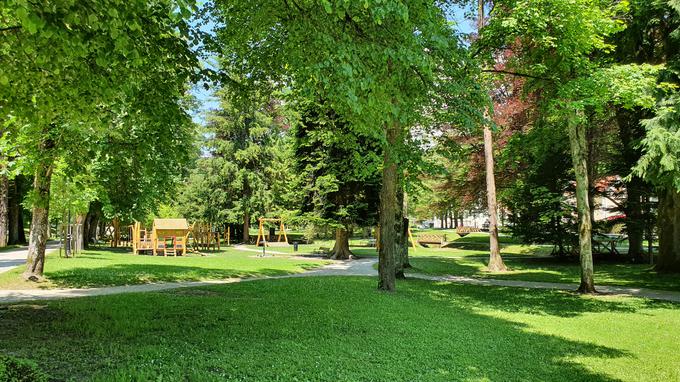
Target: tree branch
x=515 y=74
x=14 y=27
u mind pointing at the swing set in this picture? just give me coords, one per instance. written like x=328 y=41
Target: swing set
x=262 y=237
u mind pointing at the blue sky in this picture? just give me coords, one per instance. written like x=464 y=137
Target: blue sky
x=207 y=102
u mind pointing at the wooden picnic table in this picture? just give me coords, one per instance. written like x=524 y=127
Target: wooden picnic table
x=607 y=242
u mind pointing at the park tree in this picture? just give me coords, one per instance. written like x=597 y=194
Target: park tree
x=376 y=63
x=556 y=45
x=340 y=171
x=647 y=39
x=538 y=175
x=660 y=166
x=71 y=68
x=660 y=161
x=496 y=263
x=233 y=181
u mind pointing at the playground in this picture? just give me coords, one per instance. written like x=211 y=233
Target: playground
x=377 y=190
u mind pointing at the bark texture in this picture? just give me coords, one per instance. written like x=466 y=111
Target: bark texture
x=579 y=154
x=91 y=223
x=40 y=229
x=79 y=233
x=669 y=231
x=496 y=263
x=388 y=202
x=246 y=228
x=4 y=210
x=635 y=219
x=16 y=216
x=400 y=250
x=341 y=249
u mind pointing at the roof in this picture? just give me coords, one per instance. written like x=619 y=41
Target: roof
x=171 y=224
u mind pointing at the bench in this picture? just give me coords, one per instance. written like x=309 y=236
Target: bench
x=426 y=239
x=464 y=231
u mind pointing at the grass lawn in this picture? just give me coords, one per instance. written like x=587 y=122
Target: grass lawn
x=342 y=329
x=476 y=244
x=120 y=267
x=464 y=249
x=550 y=270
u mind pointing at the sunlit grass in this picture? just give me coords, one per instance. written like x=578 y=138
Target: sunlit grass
x=343 y=329
x=107 y=268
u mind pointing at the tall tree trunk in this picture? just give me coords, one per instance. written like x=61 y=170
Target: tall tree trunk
x=246 y=228
x=590 y=162
x=631 y=131
x=388 y=206
x=635 y=220
x=341 y=249
x=91 y=223
x=4 y=210
x=79 y=232
x=400 y=250
x=40 y=228
x=669 y=231
x=496 y=263
x=15 y=221
x=579 y=154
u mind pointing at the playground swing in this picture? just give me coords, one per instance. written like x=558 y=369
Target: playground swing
x=262 y=237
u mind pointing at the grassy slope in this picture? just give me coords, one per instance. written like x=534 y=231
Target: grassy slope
x=342 y=329
x=107 y=268
x=550 y=270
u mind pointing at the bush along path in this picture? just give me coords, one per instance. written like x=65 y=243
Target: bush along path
x=360 y=267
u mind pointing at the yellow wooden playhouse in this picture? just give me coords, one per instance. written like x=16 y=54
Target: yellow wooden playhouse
x=167 y=237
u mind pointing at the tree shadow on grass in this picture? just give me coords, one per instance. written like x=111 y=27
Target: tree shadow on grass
x=134 y=274
x=327 y=329
x=539 y=302
x=446 y=266
x=554 y=270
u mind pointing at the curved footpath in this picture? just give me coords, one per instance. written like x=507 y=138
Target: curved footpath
x=15 y=257
x=361 y=267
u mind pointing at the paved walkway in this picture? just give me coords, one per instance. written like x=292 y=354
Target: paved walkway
x=269 y=251
x=15 y=257
x=361 y=267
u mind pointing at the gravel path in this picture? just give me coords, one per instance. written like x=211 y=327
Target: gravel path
x=15 y=257
x=360 y=267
